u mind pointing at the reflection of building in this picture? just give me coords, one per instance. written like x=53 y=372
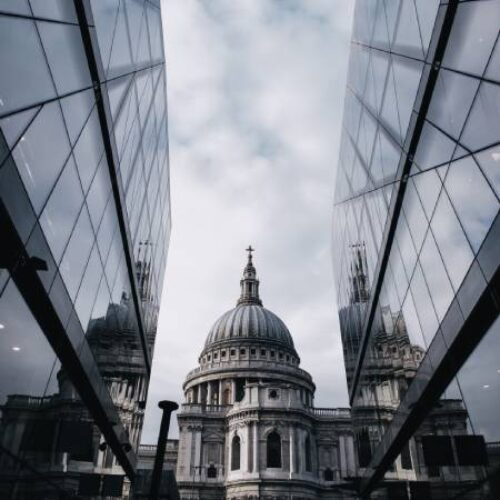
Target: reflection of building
x=420 y=135
x=85 y=223
x=248 y=428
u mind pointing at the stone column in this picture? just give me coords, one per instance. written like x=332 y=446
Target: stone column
x=209 y=393
x=199 y=394
x=220 y=392
x=248 y=456
x=233 y=390
x=197 y=452
x=255 y=450
x=343 y=465
x=292 y=449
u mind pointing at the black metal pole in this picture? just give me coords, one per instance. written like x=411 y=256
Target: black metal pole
x=168 y=407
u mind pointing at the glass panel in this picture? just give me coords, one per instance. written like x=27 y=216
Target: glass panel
x=428 y=186
x=426 y=13
x=105 y=14
x=475 y=29
x=88 y=150
x=434 y=148
x=99 y=193
x=451 y=101
x=451 y=240
x=41 y=152
x=120 y=59
x=439 y=285
x=13 y=126
x=61 y=10
x=15 y=7
x=463 y=179
x=408 y=39
x=61 y=211
x=76 y=254
x=28 y=79
x=68 y=62
x=76 y=110
x=489 y=161
x=482 y=129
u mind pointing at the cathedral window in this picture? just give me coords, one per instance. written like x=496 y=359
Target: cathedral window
x=273 y=394
x=209 y=357
x=252 y=352
x=215 y=355
x=235 y=453
x=328 y=475
x=233 y=352
x=262 y=352
x=273 y=450
x=243 y=352
x=211 y=472
x=287 y=357
x=223 y=354
x=308 y=454
x=272 y=354
x=281 y=355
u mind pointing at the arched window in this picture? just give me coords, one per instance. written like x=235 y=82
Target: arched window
x=235 y=453
x=274 y=450
x=308 y=454
x=364 y=448
x=328 y=475
x=211 y=472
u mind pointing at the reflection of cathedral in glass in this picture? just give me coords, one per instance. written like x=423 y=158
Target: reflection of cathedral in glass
x=57 y=433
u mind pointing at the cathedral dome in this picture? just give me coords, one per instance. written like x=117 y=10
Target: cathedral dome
x=249 y=320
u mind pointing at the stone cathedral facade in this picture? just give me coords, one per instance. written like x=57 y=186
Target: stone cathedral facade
x=248 y=426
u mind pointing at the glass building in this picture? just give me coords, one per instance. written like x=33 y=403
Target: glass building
x=84 y=230
x=416 y=247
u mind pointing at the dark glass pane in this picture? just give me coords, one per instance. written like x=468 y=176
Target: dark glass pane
x=27 y=80
x=88 y=149
x=68 y=63
x=61 y=10
x=77 y=253
x=62 y=209
x=41 y=152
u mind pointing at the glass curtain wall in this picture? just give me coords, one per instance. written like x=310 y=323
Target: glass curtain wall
x=85 y=224
x=416 y=238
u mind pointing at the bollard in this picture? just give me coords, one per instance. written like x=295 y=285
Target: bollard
x=168 y=407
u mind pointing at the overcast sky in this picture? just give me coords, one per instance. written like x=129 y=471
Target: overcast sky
x=255 y=93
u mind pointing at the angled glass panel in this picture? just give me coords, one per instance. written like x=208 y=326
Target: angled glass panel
x=107 y=228
x=77 y=253
x=25 y=77
x=41 y=153
x=426 y=14
x=14 y=125
x=407 y=77
x=67 y=60
x=451 y=240
x=481 y=129
x=390 y=113
x=437 y=280
x=489 y=161
x=117 y=90
x=15 y=7
x=89 y=149
x=475 y=203
x=135 y=13
x=120 y=59
x=155 y=33
x=493 y=69
x=451 y=101
x=99 y=193
x=415 y=216
x=76 y=110
x=380 y=67
x=434 y=148
x=62 y=10
x=472 y=37
x=428 y=187
x=407 y=40
x=105 y=14
x=385 y=159
x=62 y=209
x=89 y=287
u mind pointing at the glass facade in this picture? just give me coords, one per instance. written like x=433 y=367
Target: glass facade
x=416 y=246
x=84 y=225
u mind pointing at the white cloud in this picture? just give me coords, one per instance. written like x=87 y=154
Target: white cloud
x=255 y=91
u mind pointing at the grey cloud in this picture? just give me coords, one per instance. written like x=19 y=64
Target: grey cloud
x=255 y=94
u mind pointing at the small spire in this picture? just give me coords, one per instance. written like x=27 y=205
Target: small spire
x=249 y=283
